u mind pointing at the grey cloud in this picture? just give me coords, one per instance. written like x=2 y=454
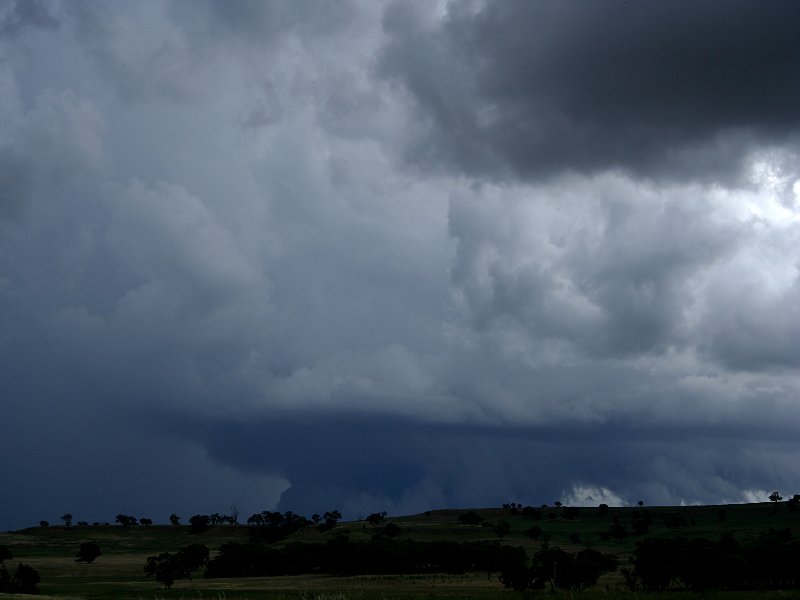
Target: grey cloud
x=659 y=89
x=370 y=463
x=208 y=245
x=610 y=267
x=260 y=21
x=18 y=15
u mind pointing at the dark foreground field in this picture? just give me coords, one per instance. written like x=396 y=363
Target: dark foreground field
x=118 y=572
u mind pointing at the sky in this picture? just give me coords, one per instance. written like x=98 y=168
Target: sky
x=396 y=255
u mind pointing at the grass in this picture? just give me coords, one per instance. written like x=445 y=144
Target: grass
x=118 y=573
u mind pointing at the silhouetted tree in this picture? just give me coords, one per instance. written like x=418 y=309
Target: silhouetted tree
x=166 y=568
x=330 y=518
x=560 y=569
x=775 y=497
x=199 y=523
x=44 y=523
x=174 y=519
x=194 y=556
x=88 y=552
x=235 y=512
x=145 y=521
x=126 y=520
x=376 y=518
x=67 y=518
x=24 y=581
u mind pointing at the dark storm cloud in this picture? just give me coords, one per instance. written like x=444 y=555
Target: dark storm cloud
x=663 y=89
x=218 y=286
x=362 y=463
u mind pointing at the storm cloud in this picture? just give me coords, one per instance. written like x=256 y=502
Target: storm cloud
x=661 y=89
x=396 y=256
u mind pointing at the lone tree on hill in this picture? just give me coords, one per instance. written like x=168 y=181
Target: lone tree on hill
x=67 y=518
x=775 y=497
x=174 y=519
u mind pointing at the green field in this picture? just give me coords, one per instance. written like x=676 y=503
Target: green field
x=118 y=572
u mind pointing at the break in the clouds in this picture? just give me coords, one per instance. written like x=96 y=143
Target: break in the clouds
x=396 y=255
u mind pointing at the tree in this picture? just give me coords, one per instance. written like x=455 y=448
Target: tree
x=376 y=518
x=199 y=523
x=194 y=556
x=25 y=580
x=167 y=567
x=174 y=519
x=235 y=512
x=502 y=528
x=44 y=523
x=145 y=521
x=88 y=552
x=126 y=520
x=775 y=497
x=67 y=518
x=330 y=517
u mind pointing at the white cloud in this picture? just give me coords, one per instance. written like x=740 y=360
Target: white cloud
x=589 y=495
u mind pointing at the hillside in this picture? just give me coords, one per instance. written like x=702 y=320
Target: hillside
x=118 y=572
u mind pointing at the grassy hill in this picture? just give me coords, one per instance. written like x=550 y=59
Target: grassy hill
x=118 y=572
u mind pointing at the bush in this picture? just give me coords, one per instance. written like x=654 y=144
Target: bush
x=88 y=552
x=560 y=569
x=167 y=567
x=24 y=581
x=470 y=518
